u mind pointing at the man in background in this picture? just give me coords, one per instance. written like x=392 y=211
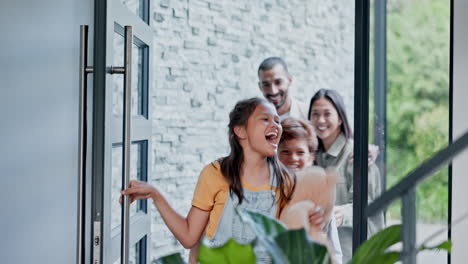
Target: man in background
x=274 y=82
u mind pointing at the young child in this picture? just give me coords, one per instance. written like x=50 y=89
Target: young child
x=315 y=187
x=298 y=144
x=249 y=177
x=328 y=116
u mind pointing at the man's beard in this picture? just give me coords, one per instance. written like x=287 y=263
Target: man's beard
x=278 y=105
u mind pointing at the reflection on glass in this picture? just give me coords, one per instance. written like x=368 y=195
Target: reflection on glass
x=136 y=163
x=137 y=78
x=137 y=7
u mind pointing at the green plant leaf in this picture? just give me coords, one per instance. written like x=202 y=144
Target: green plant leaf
x=446 y=245
x=230 y=253
x=263 y=224
x=373 y=250
x=265 y=227
x=298 y=248
x=175 y=258
x=283 y=245
x=390 y=257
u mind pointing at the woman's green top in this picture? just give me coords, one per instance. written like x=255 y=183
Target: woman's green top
x=339 y=157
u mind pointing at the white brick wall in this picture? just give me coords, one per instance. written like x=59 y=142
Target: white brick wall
x=206 y=55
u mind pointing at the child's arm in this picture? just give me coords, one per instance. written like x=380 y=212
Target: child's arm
x=193 y=255
x=187 y=230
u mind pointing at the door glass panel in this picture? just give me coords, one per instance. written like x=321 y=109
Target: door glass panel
x=137 y=253
x=121 y=13
x=133 y=255
x=140 y=251
x=139 y=79
x=138 y=7
x=137 y=171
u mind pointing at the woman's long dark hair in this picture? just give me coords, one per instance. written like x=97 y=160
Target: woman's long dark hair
x=231 y=165
x=335 y=98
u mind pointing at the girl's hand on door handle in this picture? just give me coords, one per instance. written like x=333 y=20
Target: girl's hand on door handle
x=138 y=190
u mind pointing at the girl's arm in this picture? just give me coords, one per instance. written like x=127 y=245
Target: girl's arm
x=193 y=255
x=187 y=230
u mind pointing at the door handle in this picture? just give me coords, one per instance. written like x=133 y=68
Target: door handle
x=126 y=70
x=82 y=139
x=125 y=232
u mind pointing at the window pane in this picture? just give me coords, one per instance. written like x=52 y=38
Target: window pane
x=138 y=7
x=409 y=104
x=133 y=255
x=137 y=171
x=139 y=77
x=136 y=252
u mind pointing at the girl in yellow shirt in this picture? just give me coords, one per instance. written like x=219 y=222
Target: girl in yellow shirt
x=249 y=177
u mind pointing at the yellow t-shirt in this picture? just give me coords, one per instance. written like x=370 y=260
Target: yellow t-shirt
x=212 y=191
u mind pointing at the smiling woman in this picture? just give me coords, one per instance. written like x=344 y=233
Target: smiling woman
x=328 y=115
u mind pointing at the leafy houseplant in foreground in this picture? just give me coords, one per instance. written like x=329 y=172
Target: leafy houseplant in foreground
x=283 y=245
x=376 y=248
x=231 y=252
x=295 y=246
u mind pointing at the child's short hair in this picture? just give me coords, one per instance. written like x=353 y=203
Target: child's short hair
x=298 y=129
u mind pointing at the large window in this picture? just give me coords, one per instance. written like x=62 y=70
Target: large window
x=409 y=103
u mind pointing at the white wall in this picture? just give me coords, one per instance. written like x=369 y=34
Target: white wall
x=460 y=125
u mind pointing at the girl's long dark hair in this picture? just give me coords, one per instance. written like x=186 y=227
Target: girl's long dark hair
x=335 y=98
x=231 y=165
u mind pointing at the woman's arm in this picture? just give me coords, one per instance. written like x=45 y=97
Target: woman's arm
x=344 y=212
x=376 y=222
x=187 y=230
x=372 y=154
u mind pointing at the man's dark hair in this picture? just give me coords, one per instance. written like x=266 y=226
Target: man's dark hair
x=269 y=63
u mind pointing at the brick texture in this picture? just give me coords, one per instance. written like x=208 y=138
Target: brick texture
x=205 y=58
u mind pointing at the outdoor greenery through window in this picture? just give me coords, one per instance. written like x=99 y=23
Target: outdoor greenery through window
x=417 y=121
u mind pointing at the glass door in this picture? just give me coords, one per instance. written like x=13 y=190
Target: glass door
x=121 y=235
